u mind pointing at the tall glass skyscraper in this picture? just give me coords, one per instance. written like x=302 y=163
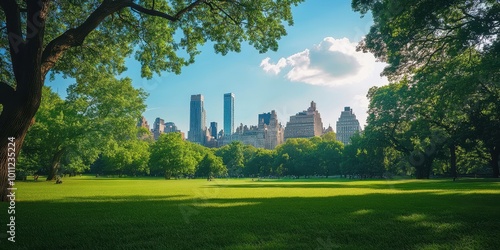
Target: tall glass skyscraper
x=228 y=114
x=197 y=116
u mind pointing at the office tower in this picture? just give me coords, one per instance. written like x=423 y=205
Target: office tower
x=265 y=118
x=264 y=135
x=228 y=114
x=213 y=129
x=197 y=126
x=304 y=124
x=274 y=131
x=347 y=125
x=170 y=127
x=158 y=127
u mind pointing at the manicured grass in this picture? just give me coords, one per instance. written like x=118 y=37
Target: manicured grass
x=118 y=213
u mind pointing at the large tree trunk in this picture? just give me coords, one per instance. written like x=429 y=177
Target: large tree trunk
x=495 y=152
x=21 y=104
x=55 y=164
x=453 y=161
x=15 y=120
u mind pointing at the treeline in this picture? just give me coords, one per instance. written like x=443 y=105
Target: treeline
x=92 y=131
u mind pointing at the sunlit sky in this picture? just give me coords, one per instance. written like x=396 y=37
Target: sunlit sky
x=317 y=61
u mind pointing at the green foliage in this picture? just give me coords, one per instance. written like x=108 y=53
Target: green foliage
x=330 y=136
x=329 y=156
x=171 y=156
x=296 y=156
x=211 y=166
x=261 y=163
x=98 y=112
x=127 y=157
x=233 y=157
x=413 y=34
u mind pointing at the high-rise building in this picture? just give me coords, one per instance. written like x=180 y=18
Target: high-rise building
x=347 y=125
x=264 y=135
x=143 y=123
x=228 y=114
x=213 y=129
x=158 y=127
x=197 y=128
x=265 y=118
x=305 y=124
x=170 y=127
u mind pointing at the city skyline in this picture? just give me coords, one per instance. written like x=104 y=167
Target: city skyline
x=317 y=61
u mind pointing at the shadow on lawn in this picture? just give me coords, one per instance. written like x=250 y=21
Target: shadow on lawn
x=372 y=221
x=445 y=185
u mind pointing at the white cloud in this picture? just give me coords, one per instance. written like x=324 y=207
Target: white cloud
x=333 y=62
x=273 y=68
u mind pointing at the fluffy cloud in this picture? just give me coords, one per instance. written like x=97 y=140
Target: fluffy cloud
x=331 y=63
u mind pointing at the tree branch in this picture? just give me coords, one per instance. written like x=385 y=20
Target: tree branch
x=151 y=12
x=188 y=8
x=75 y=37
x=14 y=31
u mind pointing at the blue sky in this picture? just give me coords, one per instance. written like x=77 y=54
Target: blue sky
x=316 y=61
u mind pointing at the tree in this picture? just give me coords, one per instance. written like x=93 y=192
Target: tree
x=73 y=38
x=127 y=157
x=233 y=158
x=210 y=166
x=413 y=34
x=78 y=129
x=329 y=155
x=171 y=156
x=296 y=156
x=393 y=122
x=260 y=163
x=449 y=46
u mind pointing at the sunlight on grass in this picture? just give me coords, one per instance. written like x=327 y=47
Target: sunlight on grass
x=363 y=212
x=220 y=204
x=412 y=217
x=268 y=214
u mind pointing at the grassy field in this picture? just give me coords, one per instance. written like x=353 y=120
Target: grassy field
x=105 y=213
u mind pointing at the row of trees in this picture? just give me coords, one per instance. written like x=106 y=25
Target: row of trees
x=172 y=157
x=92 y=130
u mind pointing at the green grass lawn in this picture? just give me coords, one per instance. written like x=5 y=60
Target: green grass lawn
x=120 y=213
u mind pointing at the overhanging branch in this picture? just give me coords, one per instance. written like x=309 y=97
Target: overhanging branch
x=151 y=12
x=76 y=36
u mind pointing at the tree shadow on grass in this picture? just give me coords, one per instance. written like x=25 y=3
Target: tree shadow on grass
x=373 y=221
x=445 y=185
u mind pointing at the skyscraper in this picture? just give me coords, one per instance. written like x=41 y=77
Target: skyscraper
x=197 y=128
x=213 y=129
x=228 y=114
x=347 y=125
x=170 y=127
x=304 y=124
x=158 y=127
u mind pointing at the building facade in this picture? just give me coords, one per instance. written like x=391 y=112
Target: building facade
x=143 y=123
x=197 y=127
x=158 y=127
x=170 y=127
x=347 y=125
x=228 y=114
x=266 y=135
x=305 y=124
x=213 y=130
